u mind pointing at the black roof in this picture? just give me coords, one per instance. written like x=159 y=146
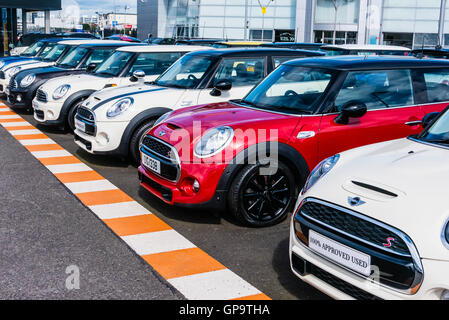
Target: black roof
x=230 y=52
x=111 y=45
x=368 y=62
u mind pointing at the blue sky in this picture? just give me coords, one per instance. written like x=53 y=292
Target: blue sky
x=88 y=7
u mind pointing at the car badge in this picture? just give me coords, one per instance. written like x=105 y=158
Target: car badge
x=355 y=202
x=162 y=133
x=388 y=244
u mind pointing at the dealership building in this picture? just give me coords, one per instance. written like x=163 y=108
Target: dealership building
x=411 y=23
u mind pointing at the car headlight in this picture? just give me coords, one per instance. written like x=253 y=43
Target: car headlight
x=28 y=80
x=213 y=141
x=162 y=118
x=119 y=107
x=61 y=91
x=320 y=171
x=12 y=72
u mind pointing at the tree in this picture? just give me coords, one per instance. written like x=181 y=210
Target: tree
x=337 y=4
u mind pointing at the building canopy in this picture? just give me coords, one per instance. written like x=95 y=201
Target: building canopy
x=32 y=4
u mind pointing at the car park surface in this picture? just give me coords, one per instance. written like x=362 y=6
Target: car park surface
x=363 y=187
x=311 y=104
x=115 y=120
x=65 y=94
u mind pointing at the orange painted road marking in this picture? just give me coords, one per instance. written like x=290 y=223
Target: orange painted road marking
x=136 y=225
x=78 y=176
x=7 y=113
x=12 y=120
x=259 y=296
x=59 y=160
x=44 y=147
x=180 y=263
x=19 y=128
x=103 y=197
x=31 y=136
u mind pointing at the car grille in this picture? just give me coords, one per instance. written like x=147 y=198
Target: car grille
x=41 y=96
x=39 y=114
x=166 y=154
x=353 y=225
x=13 y=84
x=304 y=267
x=399 y=265
x=88 y=117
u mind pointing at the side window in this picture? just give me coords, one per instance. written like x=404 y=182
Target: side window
x=277 y=61
x=377 y=89
x=437 y=83
x=98 y=57
x=154 y=63
x=241 y=71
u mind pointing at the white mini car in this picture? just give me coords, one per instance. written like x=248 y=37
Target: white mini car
x=66 y=93
x=113 y=121
x=372 y=223
x=49 y=57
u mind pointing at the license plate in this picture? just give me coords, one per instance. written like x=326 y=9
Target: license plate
x=339 y=253
x=152 y=164
x=81 y=126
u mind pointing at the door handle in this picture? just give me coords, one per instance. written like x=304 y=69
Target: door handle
x=413 y=123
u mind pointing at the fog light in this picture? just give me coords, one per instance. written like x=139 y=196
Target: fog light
x=19 y=98
x=50 y=115
x=102 y=138
x=196 y=186
x=445 y=295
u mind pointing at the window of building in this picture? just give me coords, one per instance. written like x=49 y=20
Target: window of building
x=398 y=39
x=341 y=37
x=347 y=11
x=257 y=35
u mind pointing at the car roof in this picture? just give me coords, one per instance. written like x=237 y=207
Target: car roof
x=370 y=47
x=229 y=52
x=93 y=42
x=160 y=48
x=242 y=43
x=50 y=40
x=348 y=63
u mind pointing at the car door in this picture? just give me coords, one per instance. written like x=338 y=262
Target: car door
x=392 y=112
x=242 y=72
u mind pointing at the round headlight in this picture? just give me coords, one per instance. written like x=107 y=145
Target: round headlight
x=61 y=91
x=119 y=107
x=12 y=72
x=213 y=142
x=28 y=80
x=320 y=170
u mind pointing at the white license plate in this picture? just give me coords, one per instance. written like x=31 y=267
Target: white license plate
x=339 y=253
x=81 y=126
x=152 y=164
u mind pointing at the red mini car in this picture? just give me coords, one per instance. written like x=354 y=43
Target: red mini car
x=252 y=156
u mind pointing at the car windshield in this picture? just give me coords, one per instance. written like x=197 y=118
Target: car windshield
x=32 y=50
x=73 y=58
x=290 y=89
x=114 y=64
x=55 y=53
x=186 y=73
x=46 y=49
x=438 y=132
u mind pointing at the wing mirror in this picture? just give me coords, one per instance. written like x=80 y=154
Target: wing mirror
x=138 y=75
x=91 y=67
x=429 y=119
x=352 y=109
x=222 y=85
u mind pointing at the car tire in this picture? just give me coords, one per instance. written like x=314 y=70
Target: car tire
x=137 y=138
x=72 y=112
x=258 y=200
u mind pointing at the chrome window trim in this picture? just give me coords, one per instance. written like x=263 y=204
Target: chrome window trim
x=419 y=274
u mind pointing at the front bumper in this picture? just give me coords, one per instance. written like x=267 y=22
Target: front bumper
x=180 y=192
x=48 y=113
x=106 y=139
x=19 y=99
x=339 y=283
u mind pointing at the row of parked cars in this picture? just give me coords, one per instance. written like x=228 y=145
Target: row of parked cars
x=262 y=132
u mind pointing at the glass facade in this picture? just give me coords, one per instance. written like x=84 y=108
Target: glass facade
x=230 y=19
